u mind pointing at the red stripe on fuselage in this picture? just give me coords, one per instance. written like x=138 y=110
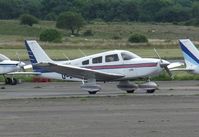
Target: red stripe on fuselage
x=123 y=66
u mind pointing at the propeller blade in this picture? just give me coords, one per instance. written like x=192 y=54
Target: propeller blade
x=157 y=54
x=169 y=72
x=165 y=65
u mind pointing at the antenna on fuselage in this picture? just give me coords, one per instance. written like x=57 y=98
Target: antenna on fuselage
x=66 y=56
x=82 y=52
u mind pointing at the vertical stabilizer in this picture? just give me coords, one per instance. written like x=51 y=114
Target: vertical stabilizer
x=190 y=53
x=36 y=53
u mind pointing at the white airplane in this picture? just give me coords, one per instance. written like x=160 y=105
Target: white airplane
x=115 y=65
x=9 y=68
x=191 y=56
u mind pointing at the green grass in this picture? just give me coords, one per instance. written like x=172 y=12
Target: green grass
x=59 y=54
x=14 y=28
x=180 y=75
x=160 y=34
x=151 y=30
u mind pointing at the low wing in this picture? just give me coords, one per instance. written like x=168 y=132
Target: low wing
x=78 y=72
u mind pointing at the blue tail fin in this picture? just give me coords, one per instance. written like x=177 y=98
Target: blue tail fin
x=190 y=53
x=36 y=54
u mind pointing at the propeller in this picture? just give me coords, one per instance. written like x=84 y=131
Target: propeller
x=164 y=64
x=20 y=64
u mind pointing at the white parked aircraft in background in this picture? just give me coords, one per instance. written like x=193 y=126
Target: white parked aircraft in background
x=9 y=68
x=191 y=56
x=115 y=65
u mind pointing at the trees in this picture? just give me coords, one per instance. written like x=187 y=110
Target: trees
x=56 y=7
x=71 y=21
x=195 y=9
x=9 y=9
x=173 y=13
x=150 y=8
x=50 y=35
x=137 y=38
x=28 y=19
x=107 y=10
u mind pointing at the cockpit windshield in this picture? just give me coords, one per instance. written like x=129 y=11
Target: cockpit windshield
x=3 y=57
x=128 y=55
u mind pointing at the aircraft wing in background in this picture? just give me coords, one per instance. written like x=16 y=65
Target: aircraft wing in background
x=173 y=65
x=24 y=73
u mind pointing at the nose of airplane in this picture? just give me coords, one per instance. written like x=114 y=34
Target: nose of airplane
x=164 y=63
x=21 y=65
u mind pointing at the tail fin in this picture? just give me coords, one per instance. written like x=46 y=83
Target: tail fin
x=36 y=53
x=190 y=53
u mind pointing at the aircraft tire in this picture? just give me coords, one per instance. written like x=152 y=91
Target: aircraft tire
x=8 y=81
x=130 y=91
x=14 y=81
x=150 y=91
x=92 y=92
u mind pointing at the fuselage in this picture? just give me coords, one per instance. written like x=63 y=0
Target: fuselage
x=121 y=62
x=7 y=66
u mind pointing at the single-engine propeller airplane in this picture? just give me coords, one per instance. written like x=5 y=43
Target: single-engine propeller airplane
x=8 y=68
x=114 y=65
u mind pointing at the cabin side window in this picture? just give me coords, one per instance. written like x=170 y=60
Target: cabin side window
x=126 y=56
x=112 y=58
x=86 y=62
x=97 y=60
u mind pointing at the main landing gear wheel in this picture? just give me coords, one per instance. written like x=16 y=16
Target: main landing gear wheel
x=8 y=81
x=14 y=81
x=150 y=91
x=11 y=81
x=130 y=91
x=92 y=92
